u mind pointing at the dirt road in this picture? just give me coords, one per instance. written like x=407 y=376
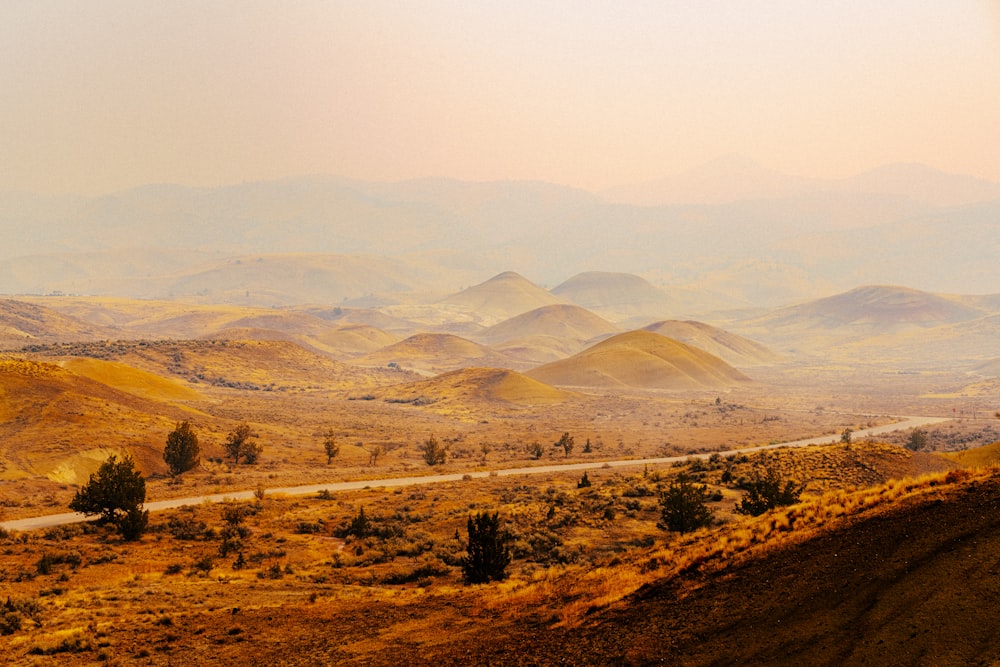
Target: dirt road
x=47 y=521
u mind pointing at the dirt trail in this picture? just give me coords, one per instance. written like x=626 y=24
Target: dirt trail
x=47 y=521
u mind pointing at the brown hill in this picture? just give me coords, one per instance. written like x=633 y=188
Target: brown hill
x=618 y=296
x=733 y=349
x=474 y=385
x=501 y=297
x=24 y=323
x=557 y=320
x=436 y=353
x=640 y=359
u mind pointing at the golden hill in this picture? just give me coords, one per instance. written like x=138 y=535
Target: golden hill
x=501 y=297
x=557 y=320
x=640 y=359
x=131 y=380
x=477 y=385
x=988 y=455
x=436 y=353
x=729 y=347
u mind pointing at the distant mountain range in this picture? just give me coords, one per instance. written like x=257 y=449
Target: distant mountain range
x=730 y=234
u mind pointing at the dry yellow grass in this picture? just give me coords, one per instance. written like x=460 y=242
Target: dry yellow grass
x=980 y=456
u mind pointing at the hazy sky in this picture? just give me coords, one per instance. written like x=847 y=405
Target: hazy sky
x=99 y=95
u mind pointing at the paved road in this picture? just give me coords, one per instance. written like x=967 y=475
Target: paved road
x=50 y=520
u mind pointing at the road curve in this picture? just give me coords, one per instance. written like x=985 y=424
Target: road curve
x=50 y=520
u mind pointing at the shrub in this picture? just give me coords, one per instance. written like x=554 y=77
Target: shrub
x=768 y=491
x=182 y=452
x=683 y=506
x=488 y=550
x=917 y=440
x=433 y=452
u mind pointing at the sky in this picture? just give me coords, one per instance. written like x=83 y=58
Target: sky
x=102 y=95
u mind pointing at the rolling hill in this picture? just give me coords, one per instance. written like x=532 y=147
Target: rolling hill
x=501 y=297
x=734 y=350
x=557 y=320
x=480 y=385
x=873 y=308
x=617 y=296
x=640 y=359
x=435 y=353
x=24 y=323
x=42 y=406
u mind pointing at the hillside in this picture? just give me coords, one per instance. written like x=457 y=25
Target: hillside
x=617 y=296
x=734 y=350
x=118 y=408
x=870 y=590
x=501 y=297
x=640 y=359
x=24 y=323
x=875 y=307
x=436 y=353
x=559 y=321
x=861 y=315
x=244 y=365
x=479 y=385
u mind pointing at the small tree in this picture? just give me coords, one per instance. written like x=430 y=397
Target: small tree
x=566 y=442
x=182 y=452
x=917 y=440
x=330 y=445
x=241 y=442
x=488 y=550
x=683 y=506
x=584 y=482
x=433 y=452
x=116 y=492
x=847 y=436
x=765 y=492
x=373 y=455
x=586 y=447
